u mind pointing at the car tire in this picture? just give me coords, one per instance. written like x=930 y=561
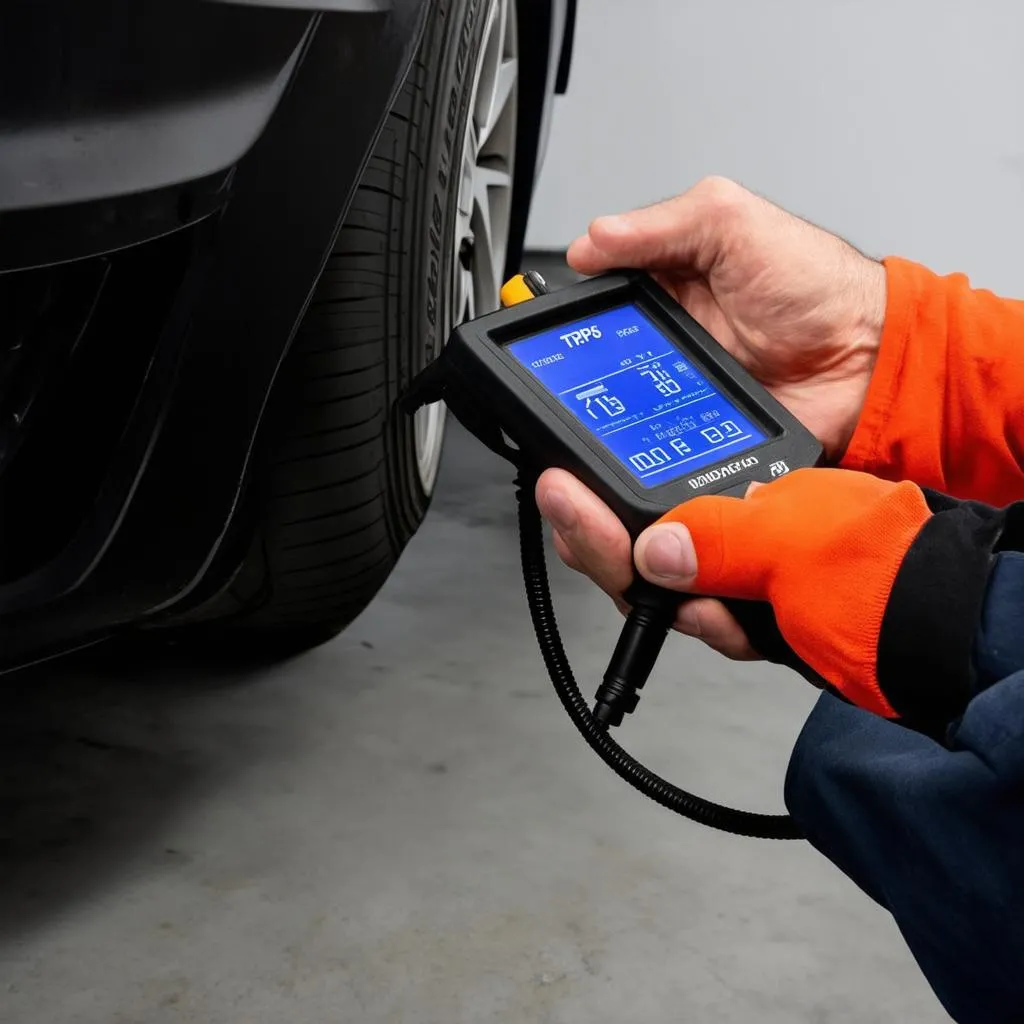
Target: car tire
x=341 y=478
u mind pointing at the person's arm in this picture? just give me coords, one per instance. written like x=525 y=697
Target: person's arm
x=877 y=586
x=945 y=404
x=933 y=829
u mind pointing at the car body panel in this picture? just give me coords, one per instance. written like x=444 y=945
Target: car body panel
x=111 y=98
x=155 y=538
x=346 y=6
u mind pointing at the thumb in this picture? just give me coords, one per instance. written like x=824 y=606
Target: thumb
x=721 y=534
x=683 y=233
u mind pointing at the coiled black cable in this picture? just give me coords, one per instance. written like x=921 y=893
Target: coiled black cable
x=538 y=595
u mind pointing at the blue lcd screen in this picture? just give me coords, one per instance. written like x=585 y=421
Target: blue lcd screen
x=638 y=394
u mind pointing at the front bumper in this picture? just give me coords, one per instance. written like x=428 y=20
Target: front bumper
x=103 y=100
x=147 y=535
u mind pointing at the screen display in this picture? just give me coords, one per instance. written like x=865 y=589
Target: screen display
x=638 y=394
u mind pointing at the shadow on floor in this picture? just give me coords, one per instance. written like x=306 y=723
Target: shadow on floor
x=101 y=750
x=95 y=761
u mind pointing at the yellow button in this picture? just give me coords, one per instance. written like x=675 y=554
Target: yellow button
x=515 y=290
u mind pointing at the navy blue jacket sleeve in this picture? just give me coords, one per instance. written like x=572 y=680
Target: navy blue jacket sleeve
x=930 y=823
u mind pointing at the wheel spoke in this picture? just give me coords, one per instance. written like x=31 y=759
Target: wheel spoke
x=490 y=60
x=502 y=35
x=492 y=172
x=483 y=203
x=485 y=253
x=466 y=182
x=482 y=224
x=459 y=299
x=469 y=304
x=504 y=86
x=486 y=282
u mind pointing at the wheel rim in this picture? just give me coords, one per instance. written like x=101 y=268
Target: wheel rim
x=483 y=217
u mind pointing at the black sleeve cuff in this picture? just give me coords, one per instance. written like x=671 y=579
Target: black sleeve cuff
x=925 y=647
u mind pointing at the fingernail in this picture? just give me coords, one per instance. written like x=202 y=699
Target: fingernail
x=613 y=223
x=668 y=553
x=558 y=511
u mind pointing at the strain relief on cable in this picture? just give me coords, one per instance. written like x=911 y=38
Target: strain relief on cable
x=635 y=655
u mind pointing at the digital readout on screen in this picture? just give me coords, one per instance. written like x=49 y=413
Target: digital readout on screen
x=638 y=394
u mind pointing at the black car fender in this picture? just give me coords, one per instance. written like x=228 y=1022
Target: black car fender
x=175 y=479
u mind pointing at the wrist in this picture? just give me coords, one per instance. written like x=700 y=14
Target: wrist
x=868 y=289
x=865 y=449
x=873 y=293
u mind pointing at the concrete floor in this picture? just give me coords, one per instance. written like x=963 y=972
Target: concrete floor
x=403 y=826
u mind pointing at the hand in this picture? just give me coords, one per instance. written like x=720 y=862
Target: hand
x=822 y=546
x=590 y=539
x=801 y=309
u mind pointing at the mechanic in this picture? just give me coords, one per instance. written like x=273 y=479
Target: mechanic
x=889 y=577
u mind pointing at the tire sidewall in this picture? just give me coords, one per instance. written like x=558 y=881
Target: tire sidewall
x=454 y=35
x=466 y=24
x=334 y=493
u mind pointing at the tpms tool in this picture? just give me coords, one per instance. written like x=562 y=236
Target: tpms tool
x=613 y=381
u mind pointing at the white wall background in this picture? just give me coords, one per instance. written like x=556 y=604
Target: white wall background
x=897 y=123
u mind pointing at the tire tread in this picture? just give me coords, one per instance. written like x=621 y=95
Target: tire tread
x=331 y=486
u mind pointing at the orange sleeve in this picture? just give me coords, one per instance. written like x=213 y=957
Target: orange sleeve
x=945 y=407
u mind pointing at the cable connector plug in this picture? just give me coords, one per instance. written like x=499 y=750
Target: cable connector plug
x=653 y=610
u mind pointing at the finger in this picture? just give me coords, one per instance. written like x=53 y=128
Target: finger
x=634 y=239
x=585 y=258
x=709 y=620
x=685 y=232
x=665 y=555
x=592 y=534
x=572 y=562
x=731 y=539
x=565 y=552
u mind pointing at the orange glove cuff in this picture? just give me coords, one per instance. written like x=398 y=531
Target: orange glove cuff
x=945 y=406
x=823 y=546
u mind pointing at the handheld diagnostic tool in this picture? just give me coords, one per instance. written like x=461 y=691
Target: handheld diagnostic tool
x=614 y=381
